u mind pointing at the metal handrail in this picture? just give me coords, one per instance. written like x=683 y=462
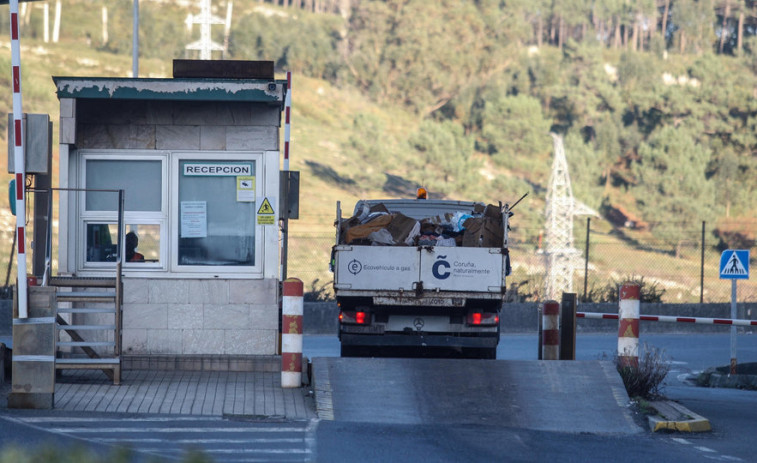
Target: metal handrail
x=49 y=243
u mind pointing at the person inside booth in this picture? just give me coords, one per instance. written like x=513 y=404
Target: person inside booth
x=132 y=241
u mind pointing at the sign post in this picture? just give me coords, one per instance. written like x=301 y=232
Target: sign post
x=734 y=266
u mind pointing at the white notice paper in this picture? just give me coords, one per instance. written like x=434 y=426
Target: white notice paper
x=194 y=219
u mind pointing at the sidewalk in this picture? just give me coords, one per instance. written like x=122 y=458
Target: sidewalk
x=183 y=392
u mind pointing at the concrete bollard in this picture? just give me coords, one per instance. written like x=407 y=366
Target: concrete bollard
x=551 y=331
x=628 y=326
x=291 y=338
x=33 y=363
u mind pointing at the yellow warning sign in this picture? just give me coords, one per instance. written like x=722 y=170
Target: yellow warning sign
x=266 y=220
x=266 y=208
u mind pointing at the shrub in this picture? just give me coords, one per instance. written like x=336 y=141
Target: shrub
x=319 y=292
x=648 y=292
x=646 y=380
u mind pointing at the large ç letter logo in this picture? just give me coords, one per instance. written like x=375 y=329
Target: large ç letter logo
x=441 y=275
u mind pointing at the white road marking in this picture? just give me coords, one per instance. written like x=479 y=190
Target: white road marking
x=705 y=449
x=151 y=419
x=168 y=430
x=229 y=451
x=148 y=440
x=221 y=439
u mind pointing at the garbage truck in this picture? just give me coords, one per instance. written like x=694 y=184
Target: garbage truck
x=421 y=276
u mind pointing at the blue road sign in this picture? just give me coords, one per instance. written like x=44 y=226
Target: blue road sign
x=734 y=264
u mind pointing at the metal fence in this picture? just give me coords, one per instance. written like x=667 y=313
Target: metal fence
x=681 y=269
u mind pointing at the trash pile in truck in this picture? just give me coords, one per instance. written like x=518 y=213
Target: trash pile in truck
x=377 y=226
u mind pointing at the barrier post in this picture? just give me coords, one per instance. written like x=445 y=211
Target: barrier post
x=628 y=326
x=291 y=339
x=551 y=331
x=568 y=326
x=540 y=339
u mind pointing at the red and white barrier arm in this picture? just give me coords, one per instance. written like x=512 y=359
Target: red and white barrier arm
x=19 y=161
x=287 y=119
x=672 y=319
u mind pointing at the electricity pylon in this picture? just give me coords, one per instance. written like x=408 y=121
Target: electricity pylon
x=561 y=258
x=205 y=19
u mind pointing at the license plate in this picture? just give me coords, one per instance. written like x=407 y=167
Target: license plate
x=425 y=301
x=357 y=329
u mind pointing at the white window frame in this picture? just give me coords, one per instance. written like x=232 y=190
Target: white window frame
x=159 y=218
x=256 y=157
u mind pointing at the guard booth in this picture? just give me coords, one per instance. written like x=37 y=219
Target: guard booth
x=197 y=159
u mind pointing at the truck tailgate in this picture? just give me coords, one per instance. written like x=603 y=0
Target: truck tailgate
x=462 y=269
x=376 y=267
x=396 y=268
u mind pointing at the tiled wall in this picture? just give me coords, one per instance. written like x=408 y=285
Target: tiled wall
x=170 y=125
x=232 y=317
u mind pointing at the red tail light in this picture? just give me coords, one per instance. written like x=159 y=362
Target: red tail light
x=352 y=317
x=483 y=319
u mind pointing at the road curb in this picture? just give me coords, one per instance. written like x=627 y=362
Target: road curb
x=672 y=416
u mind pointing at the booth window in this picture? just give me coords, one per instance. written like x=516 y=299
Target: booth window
x=142 y=242
x=143 y=185
x=216 y=212
x=141 y=181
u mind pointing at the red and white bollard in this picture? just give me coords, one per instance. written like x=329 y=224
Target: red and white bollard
x=551 y=331
x=291 y=333
x=628 y=326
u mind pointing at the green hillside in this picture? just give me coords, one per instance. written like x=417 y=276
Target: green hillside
x=461 y=97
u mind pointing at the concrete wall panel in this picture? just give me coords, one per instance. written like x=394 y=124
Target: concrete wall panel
x=202 y=341
x=209 y=291
x=252 y=138
x=177 y=137
x=185 y=317
x=226 y=317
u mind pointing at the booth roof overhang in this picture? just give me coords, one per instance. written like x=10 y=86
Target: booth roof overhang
x=182 y=89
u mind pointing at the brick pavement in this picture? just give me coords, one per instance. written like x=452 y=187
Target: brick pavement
x=183 y=392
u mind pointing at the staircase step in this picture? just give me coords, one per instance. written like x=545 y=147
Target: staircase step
x=86 y=296
x=86 y=310
x=86 y=343
x=73 y=362
x=82 y=282
x=86 y=327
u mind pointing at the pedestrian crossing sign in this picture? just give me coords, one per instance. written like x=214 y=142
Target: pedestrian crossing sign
x=734 y=264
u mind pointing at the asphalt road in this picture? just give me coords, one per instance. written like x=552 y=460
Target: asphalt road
x=732 y=413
